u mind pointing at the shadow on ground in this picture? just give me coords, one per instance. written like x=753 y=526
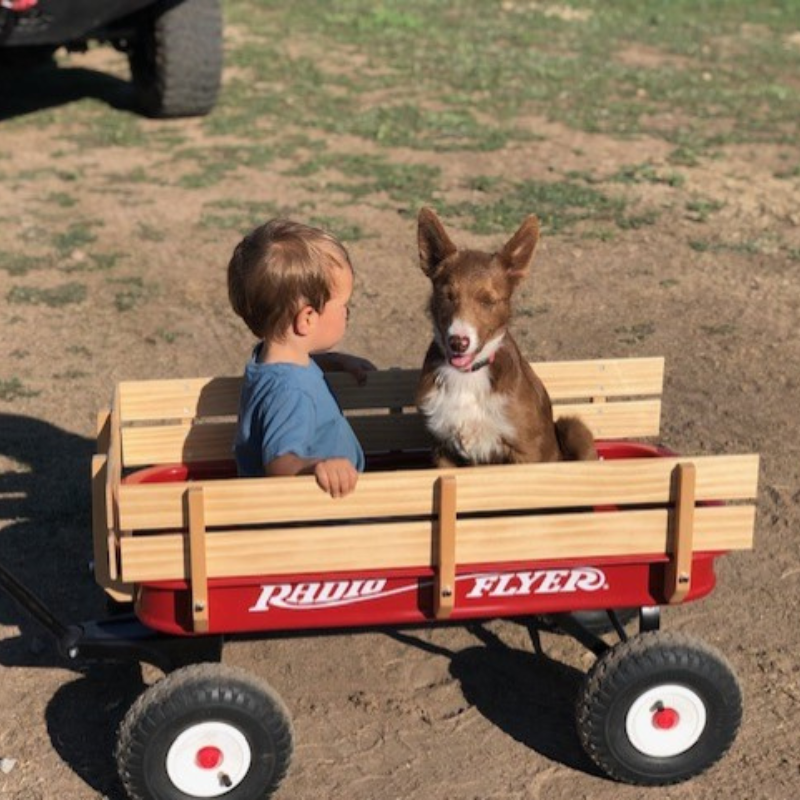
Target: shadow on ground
x=40 y=87
x=527 y=695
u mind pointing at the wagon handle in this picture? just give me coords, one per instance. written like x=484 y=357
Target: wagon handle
x=678 y=574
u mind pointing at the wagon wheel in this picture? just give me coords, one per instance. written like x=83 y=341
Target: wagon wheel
x=205 y=731
x=658 y=709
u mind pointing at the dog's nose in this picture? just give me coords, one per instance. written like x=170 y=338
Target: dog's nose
x=458 y=344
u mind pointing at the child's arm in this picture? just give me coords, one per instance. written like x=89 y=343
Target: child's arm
x=336 y=476
x=343 y=362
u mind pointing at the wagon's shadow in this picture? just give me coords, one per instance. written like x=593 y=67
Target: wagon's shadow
x=82 y=721
x=45 y=492
x=27 y=90
x=526 y=694
x=45 y=508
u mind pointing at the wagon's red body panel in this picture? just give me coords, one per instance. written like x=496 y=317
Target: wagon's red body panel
x=405 y=597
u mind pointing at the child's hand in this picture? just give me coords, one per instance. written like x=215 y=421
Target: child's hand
x=337 y=476
x=343 y=362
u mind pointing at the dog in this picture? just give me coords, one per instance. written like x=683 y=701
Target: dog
x=481 y=401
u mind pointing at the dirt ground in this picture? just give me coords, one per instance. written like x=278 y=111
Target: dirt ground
x=444 y=712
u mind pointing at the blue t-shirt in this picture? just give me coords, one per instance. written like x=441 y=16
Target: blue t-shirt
x=287 y=408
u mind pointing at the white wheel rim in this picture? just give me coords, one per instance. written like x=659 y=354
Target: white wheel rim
x=208 y=760
x=666 y=721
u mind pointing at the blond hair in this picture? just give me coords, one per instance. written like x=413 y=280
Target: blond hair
x=278 y=268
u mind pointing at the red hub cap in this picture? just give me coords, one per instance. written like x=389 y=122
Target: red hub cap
x=209 y=757
x=665 y=718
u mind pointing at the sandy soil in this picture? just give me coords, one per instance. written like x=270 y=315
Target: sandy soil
x=445 y=712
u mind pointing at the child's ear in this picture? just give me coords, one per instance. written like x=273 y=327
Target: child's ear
x=517 y=254
x=304 y=320
x=434 y=243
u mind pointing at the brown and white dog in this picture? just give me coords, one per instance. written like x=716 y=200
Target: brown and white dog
x=481 y=400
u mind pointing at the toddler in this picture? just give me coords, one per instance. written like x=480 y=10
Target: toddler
x=291 y=284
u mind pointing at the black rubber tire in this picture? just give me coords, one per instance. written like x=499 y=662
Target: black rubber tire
x=195 y=696
x=624 y=674
x=176 y=58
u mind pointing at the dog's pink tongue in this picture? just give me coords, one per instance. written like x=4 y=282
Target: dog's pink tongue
x=461 y=362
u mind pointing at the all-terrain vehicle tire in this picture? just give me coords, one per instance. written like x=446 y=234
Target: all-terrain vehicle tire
x=206 y=730
x=658 y=709
x=176 y=58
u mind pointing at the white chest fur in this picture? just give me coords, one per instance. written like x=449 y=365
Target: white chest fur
x=463 y=411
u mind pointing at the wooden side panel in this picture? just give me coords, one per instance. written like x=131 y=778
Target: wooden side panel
x=149 y=401
x=254 y=501
x=184 y=442
x=408 y=544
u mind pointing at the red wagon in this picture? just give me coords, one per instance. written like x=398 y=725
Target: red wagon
x=204 y=555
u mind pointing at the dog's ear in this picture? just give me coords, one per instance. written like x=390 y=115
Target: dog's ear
x=434 y=243
x=517 y=254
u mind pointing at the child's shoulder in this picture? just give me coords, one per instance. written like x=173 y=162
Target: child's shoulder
x=281 y=376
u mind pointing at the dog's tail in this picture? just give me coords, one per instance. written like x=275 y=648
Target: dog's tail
x=575 y=440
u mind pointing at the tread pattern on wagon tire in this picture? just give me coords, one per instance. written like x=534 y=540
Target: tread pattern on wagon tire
x=626 y=665
x=184 y=693
x=176 y=59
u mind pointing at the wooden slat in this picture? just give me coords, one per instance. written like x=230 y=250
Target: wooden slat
x=179 y=399
x=678 y=575
x=409 y=493
x=114 y=469
x=408 y=544
x=102 y=549
x=445 y=547
x=623 y=377
x=632 y=419
x=198 y=568
x=191 y=398
x=184 y=442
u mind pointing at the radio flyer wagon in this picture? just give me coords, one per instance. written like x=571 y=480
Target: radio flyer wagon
x=203 y=555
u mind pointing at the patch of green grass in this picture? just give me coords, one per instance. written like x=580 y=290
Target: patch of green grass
x=342 y=229
x=61 y=199
x=216 y=162
x=408 y=125
x=70 y=375
x=77 y=235
x=131 y=291
x=723 y=329
x=93 y=262
x=150 y=233
x=647 y=173
x=558 y=205
x=12 y=389
x=635 y=221
x=788 y=173
x=749 y=247
x=237 y=215
x=56 y=297
x=411 y=185
x=699 y=209
x=165 y=335
x=108 y=127
x=635 y=334
x=21 y=263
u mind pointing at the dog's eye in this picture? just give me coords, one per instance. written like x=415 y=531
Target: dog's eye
x=487 y=301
